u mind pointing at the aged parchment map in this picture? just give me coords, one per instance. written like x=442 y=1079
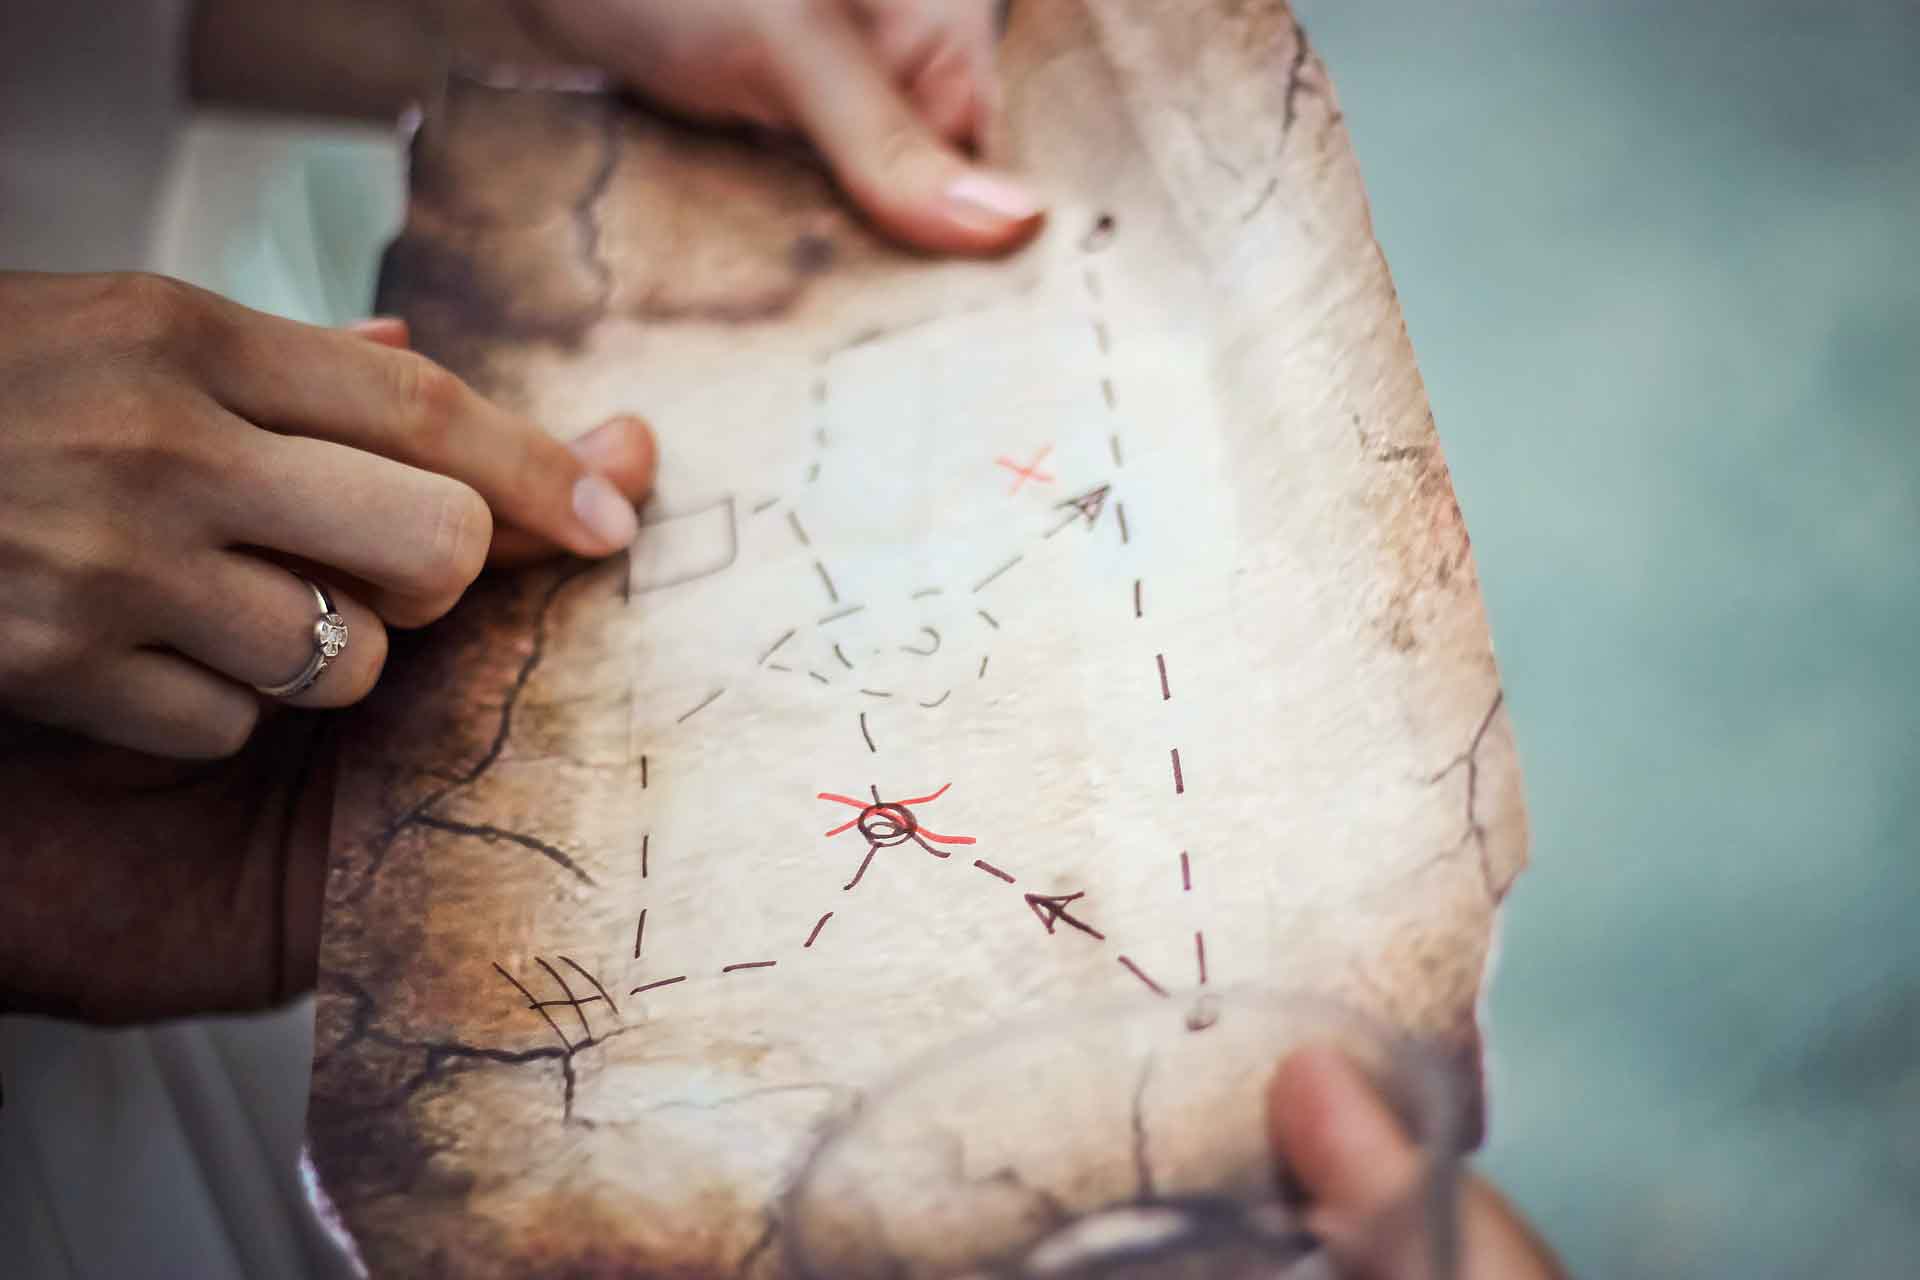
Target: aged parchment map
x=1004 y=640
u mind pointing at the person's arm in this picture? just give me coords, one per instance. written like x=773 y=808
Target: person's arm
x=355 y=58
x=896 y=95
x=141 y=888
x=171 y=465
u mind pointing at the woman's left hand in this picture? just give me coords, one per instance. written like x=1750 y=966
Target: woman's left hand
x=893 y=93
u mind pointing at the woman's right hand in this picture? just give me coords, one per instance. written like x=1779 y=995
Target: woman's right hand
x=166 y=455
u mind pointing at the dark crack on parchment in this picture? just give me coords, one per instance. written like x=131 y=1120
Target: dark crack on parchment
x=1405 y=453
x=1296 y=78
x=1142 y=1162
x=440 y=1053
x=1213 y=155
x=1208 y=150
x=1055 y=1209
x=750 y=1095
x=491 y=833
x=420 y=813
x=759 y=1247
x=1476 y=831
x=1266 y=194
x=586 y=218
x=357 y=1026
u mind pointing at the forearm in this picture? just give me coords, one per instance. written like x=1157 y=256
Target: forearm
x=361 y=58
x=138 y=888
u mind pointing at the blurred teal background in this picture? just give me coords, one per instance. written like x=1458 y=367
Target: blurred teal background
x=1660 y=265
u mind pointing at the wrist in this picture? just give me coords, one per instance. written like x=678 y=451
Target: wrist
x=357 y=58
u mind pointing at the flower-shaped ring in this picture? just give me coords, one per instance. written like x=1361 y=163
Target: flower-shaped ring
x=329 y=642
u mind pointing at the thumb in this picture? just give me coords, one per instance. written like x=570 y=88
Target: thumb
x=1338 y=1138
x=1363 y=1175
x=1360 y=1171
x=913 y=186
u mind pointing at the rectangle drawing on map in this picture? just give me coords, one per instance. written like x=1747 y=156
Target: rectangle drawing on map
x=674 y=550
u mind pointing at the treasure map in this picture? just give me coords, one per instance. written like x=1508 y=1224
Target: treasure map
x=1004 y=641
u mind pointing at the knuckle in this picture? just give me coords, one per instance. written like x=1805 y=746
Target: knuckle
x=789 y=15
x=763 y=49
x=140 y=446
x=901 y=148
x=429 y=399
x=816 y=13
x=40 y=655
x=156 y=447
x=404 y=612
x=85 y=593
x=460 y=530
x=116 y=571
x=140 y=313
x=463 y=534
x=227 y=728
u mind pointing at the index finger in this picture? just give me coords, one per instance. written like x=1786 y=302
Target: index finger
x=299 y=379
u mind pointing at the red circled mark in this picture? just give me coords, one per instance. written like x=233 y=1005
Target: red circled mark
x=918 y=829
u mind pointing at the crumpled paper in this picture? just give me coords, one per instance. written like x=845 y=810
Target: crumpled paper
x=1003 y=639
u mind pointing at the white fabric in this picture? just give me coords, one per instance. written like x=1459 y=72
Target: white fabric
x=170 y=1150
x=163 y=1151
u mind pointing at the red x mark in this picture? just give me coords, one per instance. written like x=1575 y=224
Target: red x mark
x=917 y=829
x=1029 y=472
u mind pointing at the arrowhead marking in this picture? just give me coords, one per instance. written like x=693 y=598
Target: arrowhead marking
x=1051 y=909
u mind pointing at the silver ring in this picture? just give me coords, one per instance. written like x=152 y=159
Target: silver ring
x=329 y=642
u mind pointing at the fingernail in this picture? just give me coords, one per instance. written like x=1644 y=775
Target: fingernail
x=604 y=510
x=1001 y=198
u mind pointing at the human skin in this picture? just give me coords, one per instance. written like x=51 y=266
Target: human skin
x=145 y=580
x=142 y=589
x=896 y=96
x=170 y=457
x=1359 y=1169
x=239 y=846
